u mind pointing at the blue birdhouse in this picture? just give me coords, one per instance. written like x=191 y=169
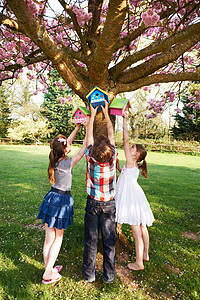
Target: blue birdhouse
x=97 y=97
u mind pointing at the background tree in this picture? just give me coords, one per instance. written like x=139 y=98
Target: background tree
x=28 y=130
x=119 y=47
x=187 y=125
x=21 y=100
x=5 y=118
x=27 y=123
x=140 y=126
x=57 y=107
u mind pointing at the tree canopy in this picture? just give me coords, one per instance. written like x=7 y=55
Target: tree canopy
x=187 y=125
x=118 y=45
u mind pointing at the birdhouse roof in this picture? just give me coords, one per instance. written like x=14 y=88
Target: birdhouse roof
x=120 y=103
x=83 y=109
x=94 y=89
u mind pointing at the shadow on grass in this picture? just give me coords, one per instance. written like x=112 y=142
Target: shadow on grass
x=173 y=194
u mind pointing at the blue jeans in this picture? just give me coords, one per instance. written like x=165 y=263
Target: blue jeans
x=99 y=214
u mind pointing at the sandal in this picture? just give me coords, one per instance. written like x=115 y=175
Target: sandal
x=58 y=268
x=56 y=277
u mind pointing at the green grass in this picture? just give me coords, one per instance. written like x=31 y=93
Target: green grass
x=173 y=193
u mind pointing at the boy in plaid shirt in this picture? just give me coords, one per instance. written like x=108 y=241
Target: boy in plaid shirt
x=100 y=207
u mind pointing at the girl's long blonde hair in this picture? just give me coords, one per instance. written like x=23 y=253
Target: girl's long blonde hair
x=57 y=151
x=143 y=153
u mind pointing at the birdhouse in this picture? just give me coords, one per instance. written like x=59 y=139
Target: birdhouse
x=97 y=97
x=118 y=105
x=80 y=114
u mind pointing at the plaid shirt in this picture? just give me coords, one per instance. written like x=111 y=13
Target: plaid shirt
x=101 y=177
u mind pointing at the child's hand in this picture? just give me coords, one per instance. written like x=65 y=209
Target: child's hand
x=125 y=114
x=105 y=109
x=78 y=126
x=86 y=121
x=93 y=110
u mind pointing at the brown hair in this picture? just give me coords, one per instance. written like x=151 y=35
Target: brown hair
x=143 y=153
x=102 y=149
x=57 y=151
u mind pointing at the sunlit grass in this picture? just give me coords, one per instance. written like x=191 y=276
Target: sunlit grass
x=173 y=193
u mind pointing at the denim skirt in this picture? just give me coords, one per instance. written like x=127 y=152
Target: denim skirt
x=57 y=209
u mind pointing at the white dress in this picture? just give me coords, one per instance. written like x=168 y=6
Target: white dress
x=132 y=206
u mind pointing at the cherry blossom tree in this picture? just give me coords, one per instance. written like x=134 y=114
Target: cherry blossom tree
x=117 y=45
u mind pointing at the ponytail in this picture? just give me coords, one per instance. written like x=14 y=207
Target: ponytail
x=51 y=173
x=143 y=167
x=57 y=152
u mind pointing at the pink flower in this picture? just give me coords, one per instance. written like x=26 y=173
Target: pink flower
x=20 y=61
x=178 y=110
x=197 y=106
x=1 y=66
x=30 y=67
x=191 y=98
x=70 y=99
x=145 y=88
x=190 y=60
x=191 y=117
x=151 y=116
x=189 y=105
x=62 y=100
x=150 y=19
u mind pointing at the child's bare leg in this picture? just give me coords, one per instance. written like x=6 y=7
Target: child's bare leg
x=49 y=239
x=139 y=247
x=145 y=237
x=53 y=253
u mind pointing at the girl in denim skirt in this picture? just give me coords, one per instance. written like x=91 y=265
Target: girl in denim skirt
x=56 y=211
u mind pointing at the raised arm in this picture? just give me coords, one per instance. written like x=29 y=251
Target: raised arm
x=73 y=134
x=79 y=155
x=128 y=155
x=90 y=139
x=109 y=124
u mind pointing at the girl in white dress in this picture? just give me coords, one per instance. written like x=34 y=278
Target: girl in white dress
x=132 y=206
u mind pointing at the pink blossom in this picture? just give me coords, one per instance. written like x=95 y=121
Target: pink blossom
x=62 y=100
x=191 y=98
x=10 y=46
x=24 y=48
x=178 y=110
x=81 y=64
x=30 y=67
x=8 y=55
x=189 y=105
x=145 y=88
x=190 y=60
x=70 y=99
x=150 y=19
x=7 y=34
x=191 y=117
x=151 y=116
x=197 y=106
x=1 y=66
x=1 y=52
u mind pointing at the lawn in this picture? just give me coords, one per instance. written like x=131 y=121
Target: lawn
x=173 y=191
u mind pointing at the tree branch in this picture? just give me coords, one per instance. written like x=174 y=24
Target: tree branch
x=158 y=78
x=94 y=6
x=76 y=27
x=159 y=60
x=108 y=39
x=154 y=48
x=10 y=23
x=29 y=61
